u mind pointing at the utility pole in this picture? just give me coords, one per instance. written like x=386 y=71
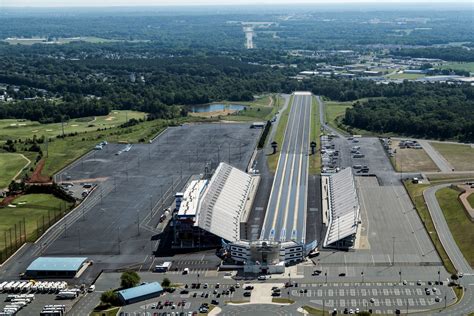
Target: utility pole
x=118 y=238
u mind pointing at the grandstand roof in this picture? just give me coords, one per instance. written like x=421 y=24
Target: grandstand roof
x=224 y=201
x=343 y=207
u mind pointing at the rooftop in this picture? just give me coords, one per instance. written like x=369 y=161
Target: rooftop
x=344 y=207
x=56 y=264
x=224 y=202
x=140 y=290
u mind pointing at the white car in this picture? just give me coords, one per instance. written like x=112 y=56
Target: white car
x=91 y=288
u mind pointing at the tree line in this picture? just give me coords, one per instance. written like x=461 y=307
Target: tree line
x=438 y=111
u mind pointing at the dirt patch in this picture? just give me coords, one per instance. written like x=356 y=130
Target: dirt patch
x=37 y=177
x=410 y=159
x=7 y=200
x=212 y=114
x=110 y=118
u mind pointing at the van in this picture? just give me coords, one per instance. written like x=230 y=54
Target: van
x=91 y=288
x=186 y=271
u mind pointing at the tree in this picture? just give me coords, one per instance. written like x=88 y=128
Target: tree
x=110 y=298
x=129 y=279
x=166 y=282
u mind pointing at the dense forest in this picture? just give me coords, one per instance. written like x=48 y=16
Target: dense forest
x=433 y=111
x=449 y=53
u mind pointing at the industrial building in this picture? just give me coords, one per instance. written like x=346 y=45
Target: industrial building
x=140 y=293
x=56 y=267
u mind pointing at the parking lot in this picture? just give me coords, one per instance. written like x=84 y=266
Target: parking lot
x=382 y=298
x=115 y=225
x=37 y=304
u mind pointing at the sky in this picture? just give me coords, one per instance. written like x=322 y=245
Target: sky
x=107 y=3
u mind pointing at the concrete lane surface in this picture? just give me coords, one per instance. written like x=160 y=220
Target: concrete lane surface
x=286 y=212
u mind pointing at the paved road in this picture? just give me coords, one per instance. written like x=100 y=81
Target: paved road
x=286 y=213
x=442 y=228
x=466 y=305
x=439 y=160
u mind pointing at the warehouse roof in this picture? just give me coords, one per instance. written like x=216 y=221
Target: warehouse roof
x=343 y=207
x=56 y=264
x=224 y=201
x=141 y=290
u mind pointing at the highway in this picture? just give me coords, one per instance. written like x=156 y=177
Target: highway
x=285 y=217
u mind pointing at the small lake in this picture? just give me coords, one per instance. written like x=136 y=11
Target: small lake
x=205 y=108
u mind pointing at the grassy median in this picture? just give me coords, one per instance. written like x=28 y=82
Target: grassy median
x=315 y=160
x=459 y=224
x=279 y=137
x=415 y=191
x=10 y=165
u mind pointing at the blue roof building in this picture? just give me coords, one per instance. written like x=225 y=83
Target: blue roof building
x=55 y=267
x=140 y=293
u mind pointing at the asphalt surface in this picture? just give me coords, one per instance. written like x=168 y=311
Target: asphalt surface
x=117 y=225
x=444 y=233
x=285 y=218
x=466 y=305
x=439 y=160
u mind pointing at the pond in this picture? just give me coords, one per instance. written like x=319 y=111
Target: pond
x=204 y=108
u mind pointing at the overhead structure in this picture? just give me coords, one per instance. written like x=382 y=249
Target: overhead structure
x=224 y=202
x=212 y=208
x=343 y=210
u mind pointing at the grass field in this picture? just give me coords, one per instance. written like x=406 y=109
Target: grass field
x=467 y=66
x=460 y=226
x=272 y=160
x=409 y=159
x=470 y=199
x=461 y=157
x=32 y=208
x=315 y=160
x=14 y=129
x=282 y=300
x=315 y=311
x=262 y=109
x=416 y=195
x=108 y=312
x=334 y=111
x=10 y=165
x=406 y=76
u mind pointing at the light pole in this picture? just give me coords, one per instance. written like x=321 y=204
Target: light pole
x=338 y=241
x=393 y=251
x=326 y=276
x=362 y=275
x=400 y=274
x=439 y=276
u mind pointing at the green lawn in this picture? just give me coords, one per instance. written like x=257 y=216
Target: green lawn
x=460 y=226
x=334 y=111
x=279 y=137
x=315 y=160
x=62 y=152
x=467 y=66
x=406 y=76
x=108 y=312
x=258 y=110
x=14 y=129
x=470 y=199
x=32 y=208
x=415 y=191
x=282 y=300
x=461 y=157
x=315 y=311
x=10 y=165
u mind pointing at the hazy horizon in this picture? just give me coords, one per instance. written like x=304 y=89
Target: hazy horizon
x=175 y=3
